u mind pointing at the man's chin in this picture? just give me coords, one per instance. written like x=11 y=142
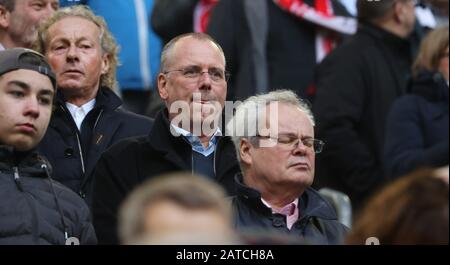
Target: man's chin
x=68 y=86
x=302 y=177
x=23 y=144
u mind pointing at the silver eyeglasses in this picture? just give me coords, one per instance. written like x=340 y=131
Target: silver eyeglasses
x=194 y=73
x=290 y=142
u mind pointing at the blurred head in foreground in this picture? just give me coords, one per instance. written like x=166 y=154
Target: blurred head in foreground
x=176 y=209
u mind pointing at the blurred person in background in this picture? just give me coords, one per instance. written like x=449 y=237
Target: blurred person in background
x=356 y=85
x=273 y=44
x=417 y=126
x=19 y=20
x=171 y=18
x=413 y=210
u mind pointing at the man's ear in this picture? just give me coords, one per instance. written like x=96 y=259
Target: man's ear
x=105 y=63
x=162 y=86
x=399 y=12
x=4 y=17
x=244 y=151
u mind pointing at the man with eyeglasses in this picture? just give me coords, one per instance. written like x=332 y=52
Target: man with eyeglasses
x=273 y=192
x=193 y=85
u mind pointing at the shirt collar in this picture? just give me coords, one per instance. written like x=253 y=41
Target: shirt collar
x=195 y=142
x=286 y=210
x=79 y=113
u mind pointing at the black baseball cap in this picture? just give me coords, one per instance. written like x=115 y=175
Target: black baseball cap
x=21 y=58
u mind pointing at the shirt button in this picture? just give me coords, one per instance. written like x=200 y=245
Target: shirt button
x=68 y=152
x=82 y=194
x=278 y=223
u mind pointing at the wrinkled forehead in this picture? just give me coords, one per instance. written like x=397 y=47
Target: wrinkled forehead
x=189 y=50
x=287 y=118
x=74 y=28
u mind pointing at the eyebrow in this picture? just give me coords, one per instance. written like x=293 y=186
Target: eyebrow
x=25 y=86
x=294 y=135
x=19 y=84
x=200 y=67
x=65 y=40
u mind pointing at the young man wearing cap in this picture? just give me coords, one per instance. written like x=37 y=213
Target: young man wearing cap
x=34 y=209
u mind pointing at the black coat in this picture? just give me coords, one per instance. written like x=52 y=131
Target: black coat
x=134 y=160
x=356 y=86
x=29 y=214
x=105 y=125
x=172 y=18
x=317 y=222
x=417 y=127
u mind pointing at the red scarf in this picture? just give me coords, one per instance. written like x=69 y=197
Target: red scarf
x=322 y=15
x=201 y=14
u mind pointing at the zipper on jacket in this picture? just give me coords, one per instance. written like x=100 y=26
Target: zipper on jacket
x=81 y=154
x=55 y=196
x=98 y=118
x=214 y=158
x=192 y=161
x=17 y=178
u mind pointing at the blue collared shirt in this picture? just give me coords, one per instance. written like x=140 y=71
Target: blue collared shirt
x=196 y=143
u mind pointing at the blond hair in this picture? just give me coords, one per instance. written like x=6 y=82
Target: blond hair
x=431 y=50
x=107 y=41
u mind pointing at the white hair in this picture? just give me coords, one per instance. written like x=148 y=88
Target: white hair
x=247 y=118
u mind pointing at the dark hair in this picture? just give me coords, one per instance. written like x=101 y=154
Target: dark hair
x=412 y=210
x=8 y=4
x=22 y=58
x=372 y=10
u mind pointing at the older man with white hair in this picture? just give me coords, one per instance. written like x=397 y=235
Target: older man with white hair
x=276 y=149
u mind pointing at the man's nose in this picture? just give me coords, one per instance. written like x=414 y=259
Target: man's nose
x=32 y=108
x=72 y=53
x=300 y=148
x=205 y=80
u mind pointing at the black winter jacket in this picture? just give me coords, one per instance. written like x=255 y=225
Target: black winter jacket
x=172 y=18
x=134 y=160
x=357 y=84
x=317 y=223
x=74 y=155
x=29 y=210
x=417 y=127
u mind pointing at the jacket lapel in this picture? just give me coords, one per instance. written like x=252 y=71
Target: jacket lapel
x=174 y=149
